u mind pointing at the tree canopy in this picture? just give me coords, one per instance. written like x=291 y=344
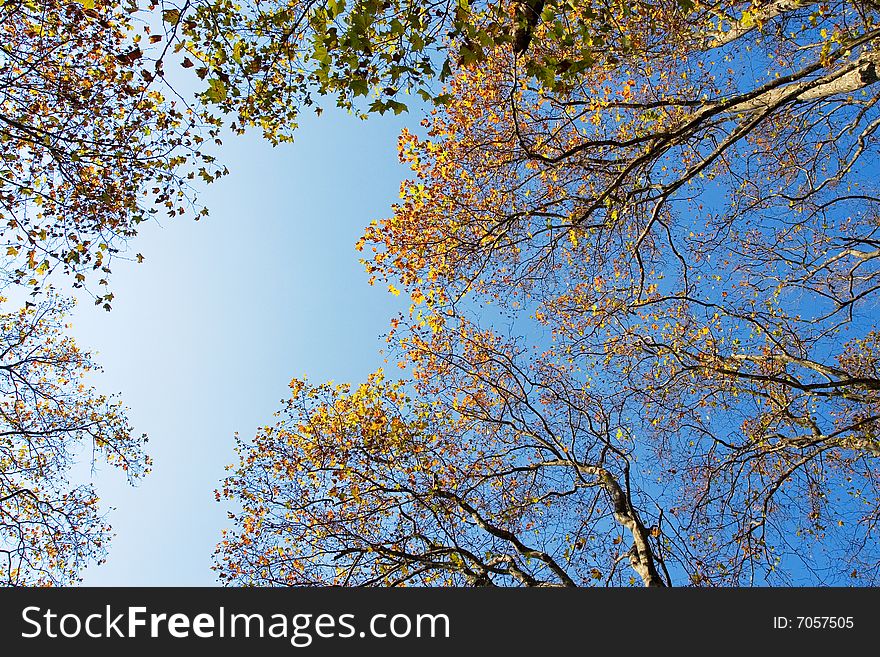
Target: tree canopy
x=90 y=143
x=267 y=59
x=640 y=241
x=643 y=329
x=50 y=419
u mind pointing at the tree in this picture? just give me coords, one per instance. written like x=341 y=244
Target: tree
x=367 y=487
x=50 y=419
x=267 y=59
x=90 y=145
x=680 y=241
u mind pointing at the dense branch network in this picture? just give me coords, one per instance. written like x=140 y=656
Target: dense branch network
x=643 y=253
x=50 y=418
x=90 y=144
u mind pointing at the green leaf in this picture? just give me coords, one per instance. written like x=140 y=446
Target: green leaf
x=446 y=71
x=467 y=56
x=335 y=8
x=359 y=86
x=398 y=108
x=216 y=92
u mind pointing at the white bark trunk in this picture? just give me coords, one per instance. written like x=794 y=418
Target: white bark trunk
x=757 y=16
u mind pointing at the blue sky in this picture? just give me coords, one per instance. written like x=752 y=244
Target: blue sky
x=206 y=333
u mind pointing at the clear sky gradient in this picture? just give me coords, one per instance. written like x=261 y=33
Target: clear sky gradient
x=206 y=333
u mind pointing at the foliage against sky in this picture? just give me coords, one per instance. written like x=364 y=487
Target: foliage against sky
x=50 y=417
x=690 y=225
x=89 y=148
x=640 y=241
x=92 y=141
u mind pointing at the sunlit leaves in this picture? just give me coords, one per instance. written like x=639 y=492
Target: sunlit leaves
x=668 y=211
x=281 y=56
x=51 y=418
x=474 y=484
x=91 y=145
x=693 y=239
